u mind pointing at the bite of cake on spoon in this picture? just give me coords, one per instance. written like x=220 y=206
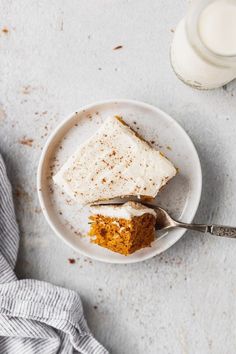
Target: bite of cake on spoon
x=117 y=162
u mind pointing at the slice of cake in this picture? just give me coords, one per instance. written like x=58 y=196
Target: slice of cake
x=123 y=228
x=115 y=162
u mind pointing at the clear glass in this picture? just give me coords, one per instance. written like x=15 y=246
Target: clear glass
x=192 y=29
x=193 y=62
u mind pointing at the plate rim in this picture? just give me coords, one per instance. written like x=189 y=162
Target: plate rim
x=43 y=155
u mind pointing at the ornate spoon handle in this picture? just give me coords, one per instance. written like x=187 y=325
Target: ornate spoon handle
x=223 y=231
x=216 y=230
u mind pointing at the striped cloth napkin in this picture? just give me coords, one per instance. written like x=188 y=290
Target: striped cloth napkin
x=35 y=316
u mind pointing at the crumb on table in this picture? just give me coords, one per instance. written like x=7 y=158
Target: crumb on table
x=26 y=141
x=71 y=260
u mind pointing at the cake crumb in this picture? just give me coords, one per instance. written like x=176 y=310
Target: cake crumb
x=26 y=141
x=20 y=193
x=118 y=47
x=26 y=89
x=71 y=260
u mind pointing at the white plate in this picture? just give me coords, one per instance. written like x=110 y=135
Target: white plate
x=181 y=196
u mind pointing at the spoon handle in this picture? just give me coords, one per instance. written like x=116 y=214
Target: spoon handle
x=216 y=230
x=223 y=231
x=195 y=227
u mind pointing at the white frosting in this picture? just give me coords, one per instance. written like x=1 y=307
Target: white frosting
x=114 y=163
x=124 y=211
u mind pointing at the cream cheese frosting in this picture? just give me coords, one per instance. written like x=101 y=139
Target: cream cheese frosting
x=114 y=162
x=124 y=211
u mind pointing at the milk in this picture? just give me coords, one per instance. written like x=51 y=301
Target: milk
x=217 y=27
x=203 y=51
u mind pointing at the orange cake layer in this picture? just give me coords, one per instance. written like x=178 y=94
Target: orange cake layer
x=121 y=235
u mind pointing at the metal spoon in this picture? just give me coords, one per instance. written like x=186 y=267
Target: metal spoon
x=165 y=222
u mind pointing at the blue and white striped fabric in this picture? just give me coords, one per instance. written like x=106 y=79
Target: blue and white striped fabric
x=35 y=317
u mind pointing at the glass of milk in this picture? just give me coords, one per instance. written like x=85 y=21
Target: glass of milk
x=203 y=51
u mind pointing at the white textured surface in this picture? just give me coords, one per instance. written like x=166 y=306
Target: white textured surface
x=58 y=56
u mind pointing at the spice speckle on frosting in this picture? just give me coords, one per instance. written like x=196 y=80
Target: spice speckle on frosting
x=114 y=162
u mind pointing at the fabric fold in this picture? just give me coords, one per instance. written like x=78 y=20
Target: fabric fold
x=35 y=316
